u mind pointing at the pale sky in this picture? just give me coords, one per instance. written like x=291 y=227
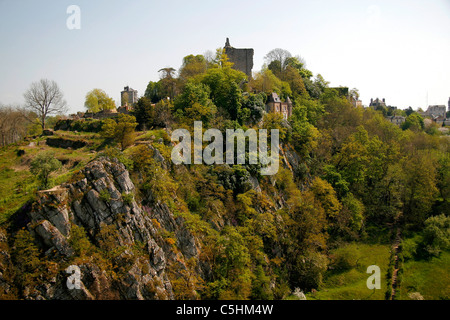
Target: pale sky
x=393 y=49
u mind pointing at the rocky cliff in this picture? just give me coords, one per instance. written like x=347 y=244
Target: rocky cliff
x=128 y=253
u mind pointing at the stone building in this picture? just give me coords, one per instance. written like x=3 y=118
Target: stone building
x=128 y=96
x=377 y=103
x=242 y=59
x=398 y=120
x=435 y=111
x=275 y=105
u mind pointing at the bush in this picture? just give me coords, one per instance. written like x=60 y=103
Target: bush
x=43 y=165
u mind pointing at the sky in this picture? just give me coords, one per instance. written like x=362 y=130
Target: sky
x=394 y=49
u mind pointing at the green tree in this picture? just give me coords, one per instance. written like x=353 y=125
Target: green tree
x=413 y=122
x=224 y=83
x=194 y=102
x=153 y=92
x=43 y=165
x=436 y=235
x=97 y=100
x=192 y=66
x=121 y=131
x=144 y=113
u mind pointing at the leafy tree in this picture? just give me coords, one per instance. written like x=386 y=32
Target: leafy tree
x=255 y=105
x=295 y=81
x=194 y=102
x=144 y=113
x=45 y=98
x=121 y=131
x=413 y=122
x=419 y=187
x=192 y=66
x=224 y=82
x=265 y=81
x=43 y=165
x=153 y=92
x=275 y=121
x=97 y=100
x=436 y=235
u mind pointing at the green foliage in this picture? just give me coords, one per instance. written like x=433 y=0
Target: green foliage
x=114 y=153
x=194 y=103
x=97 y=100
x=79 y=241
x=144 y=113
x=121 y=131
x=436 y=235
x=43 y=165
x=413 y=122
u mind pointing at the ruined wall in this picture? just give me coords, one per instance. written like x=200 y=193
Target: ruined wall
x=242 y=58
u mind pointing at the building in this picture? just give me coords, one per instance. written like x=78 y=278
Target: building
x=435 y=111
x=377 y=103
x=128 y=96
x=398 y=120
x=242 y=59
x=275 y=105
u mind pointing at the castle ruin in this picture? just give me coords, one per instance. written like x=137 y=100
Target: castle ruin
x=242 y=59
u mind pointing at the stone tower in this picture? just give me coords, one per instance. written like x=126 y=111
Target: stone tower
x=242 y=59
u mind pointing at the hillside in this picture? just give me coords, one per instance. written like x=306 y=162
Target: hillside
x=104 y=197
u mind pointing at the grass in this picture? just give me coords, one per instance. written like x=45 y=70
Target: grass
x=350 y=283
x=428 y=277
x=18 y=185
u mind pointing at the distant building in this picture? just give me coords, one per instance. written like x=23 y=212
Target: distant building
x=242 y=59
x=128 y=96
x=275 y=105
x=377 y=103
x=398 y=120
x=435 y=111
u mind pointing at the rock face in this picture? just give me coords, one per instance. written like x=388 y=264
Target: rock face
x=101 y=199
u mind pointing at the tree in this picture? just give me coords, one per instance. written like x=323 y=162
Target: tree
x=43 y=165
x=413 y=122
x=168 y=82
x=97 y=100
x=144 y=112
x=153 y=92
x=121 y=131
x=279 y=57
x=265 y=81
x=194 y=102
x=14 y=123
x=192 y=66
x=45 y=98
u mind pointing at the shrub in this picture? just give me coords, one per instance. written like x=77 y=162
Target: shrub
x=43 y=165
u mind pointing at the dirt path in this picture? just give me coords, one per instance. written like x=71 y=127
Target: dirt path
x=395 y=247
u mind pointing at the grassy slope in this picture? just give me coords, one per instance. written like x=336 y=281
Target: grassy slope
x=17 y=183
x=351 y=284
x=429 y=278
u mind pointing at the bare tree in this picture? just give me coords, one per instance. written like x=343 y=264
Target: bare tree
x=13 y=124
x=45 y=98
x=280 y=55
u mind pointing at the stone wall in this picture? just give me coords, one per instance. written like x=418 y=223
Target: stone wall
x=242 y=59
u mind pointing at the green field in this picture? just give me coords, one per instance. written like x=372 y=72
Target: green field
x=428 y=277
x=349 y=283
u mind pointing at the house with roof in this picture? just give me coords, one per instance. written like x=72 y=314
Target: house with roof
x=275 y=105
